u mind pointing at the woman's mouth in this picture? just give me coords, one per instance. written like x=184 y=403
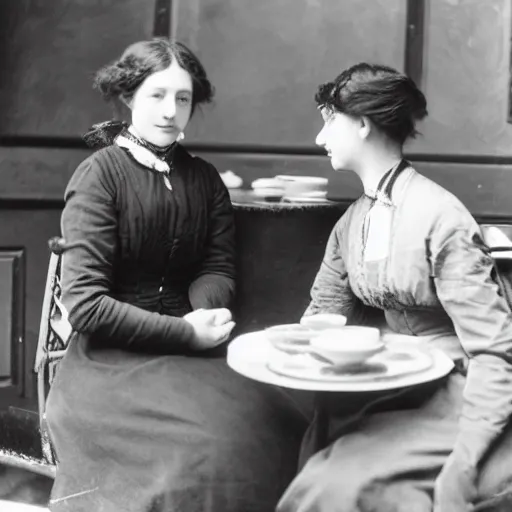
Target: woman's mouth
x=167 y=129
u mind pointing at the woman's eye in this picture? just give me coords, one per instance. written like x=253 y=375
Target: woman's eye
x=157 y=95
x=184 y=100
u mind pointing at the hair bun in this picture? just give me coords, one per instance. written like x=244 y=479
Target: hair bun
x=103 y=134
x=417 y=100
x=120 y=78
x=390 y=99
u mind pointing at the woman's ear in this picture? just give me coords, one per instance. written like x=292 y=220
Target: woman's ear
x=365 y=127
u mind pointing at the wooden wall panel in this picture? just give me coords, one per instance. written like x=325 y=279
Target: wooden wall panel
x=6 y=317
x=49 y=51
x=266 y=60
x=37 y=173
x=29 y=229
x=12 y=320
x=466 y=78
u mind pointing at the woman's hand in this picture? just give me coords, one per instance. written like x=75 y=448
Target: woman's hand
x=211 y=326
x=455 y=487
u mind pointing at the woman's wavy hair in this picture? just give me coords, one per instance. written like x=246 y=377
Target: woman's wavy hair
x=121 y=78
x=388 y=98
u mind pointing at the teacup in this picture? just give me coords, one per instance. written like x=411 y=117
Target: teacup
x=297 y=185
x=347 y=345
x=291 y=333
x=323 y=321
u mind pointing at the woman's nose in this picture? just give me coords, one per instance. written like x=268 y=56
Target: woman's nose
x=320 y=138
x=170 y=109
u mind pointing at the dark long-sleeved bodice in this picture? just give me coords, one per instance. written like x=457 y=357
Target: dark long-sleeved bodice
x=145 y=255
x=139 y=423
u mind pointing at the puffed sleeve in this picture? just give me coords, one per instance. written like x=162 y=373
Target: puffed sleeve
x=462 y=271
x=89 y=227
x=214 y=284
x=331 y=291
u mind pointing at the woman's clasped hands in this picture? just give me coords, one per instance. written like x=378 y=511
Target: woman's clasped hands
x=211 y=326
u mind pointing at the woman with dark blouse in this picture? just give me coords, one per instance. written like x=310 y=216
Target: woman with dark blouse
x=143 y=416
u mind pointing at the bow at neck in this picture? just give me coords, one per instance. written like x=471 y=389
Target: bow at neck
x=147 y=154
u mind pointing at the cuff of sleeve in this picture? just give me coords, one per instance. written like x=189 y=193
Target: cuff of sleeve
x=211 y=291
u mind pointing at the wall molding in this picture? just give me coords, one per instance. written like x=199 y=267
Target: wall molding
x=66 y=143
x=37 y=177
x=414 y=40
x=162 y=22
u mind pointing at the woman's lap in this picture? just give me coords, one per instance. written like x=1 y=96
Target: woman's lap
x=170 y=434
x=389 y=460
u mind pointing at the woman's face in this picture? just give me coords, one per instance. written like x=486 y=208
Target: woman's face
x=162 y=105
x=341 y=137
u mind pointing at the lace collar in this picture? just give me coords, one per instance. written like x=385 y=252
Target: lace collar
x=147 y=155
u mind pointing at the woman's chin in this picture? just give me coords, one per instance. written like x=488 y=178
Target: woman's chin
x=163 y=142
x=337 y=165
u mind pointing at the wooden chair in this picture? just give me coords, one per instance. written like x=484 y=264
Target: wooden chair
x=54 y=333
x=495 y=236
x=19 y=449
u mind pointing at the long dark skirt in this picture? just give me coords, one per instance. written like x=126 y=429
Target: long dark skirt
x=386 y=452
x=168 y=434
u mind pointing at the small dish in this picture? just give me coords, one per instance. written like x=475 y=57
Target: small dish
x=349 y=344
x=273 y=193
x=323 y=321
x=298 y=185
x=306 y=200
x=290 y=333
x=308 y=180
x=290 y=338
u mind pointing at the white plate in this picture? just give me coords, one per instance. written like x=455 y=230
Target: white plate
x=268 y=192
x=251 y=353
x=396 y=361
x=13 y=506
x=308 y=180
x=316 y=194
x=306 y=199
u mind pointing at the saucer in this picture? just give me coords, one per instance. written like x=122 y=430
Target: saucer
x=391 y=363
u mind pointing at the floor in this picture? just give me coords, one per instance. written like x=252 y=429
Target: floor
x=24 y=487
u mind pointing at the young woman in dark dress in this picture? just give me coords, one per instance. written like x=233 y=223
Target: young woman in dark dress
x=144 y=418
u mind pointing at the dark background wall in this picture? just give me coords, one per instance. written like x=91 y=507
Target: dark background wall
x=266 y=60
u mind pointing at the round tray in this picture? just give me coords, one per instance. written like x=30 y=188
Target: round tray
x=396 y=361
x=254 y=357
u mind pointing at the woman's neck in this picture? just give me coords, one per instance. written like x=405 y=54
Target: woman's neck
x=374 y=165
x=150 y=145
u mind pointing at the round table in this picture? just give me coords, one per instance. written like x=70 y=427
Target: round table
x=249 y=355
x=13 y=506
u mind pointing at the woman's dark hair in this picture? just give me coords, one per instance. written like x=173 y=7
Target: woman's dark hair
x=121 y=79
x=390 y=99
x=141 y=59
